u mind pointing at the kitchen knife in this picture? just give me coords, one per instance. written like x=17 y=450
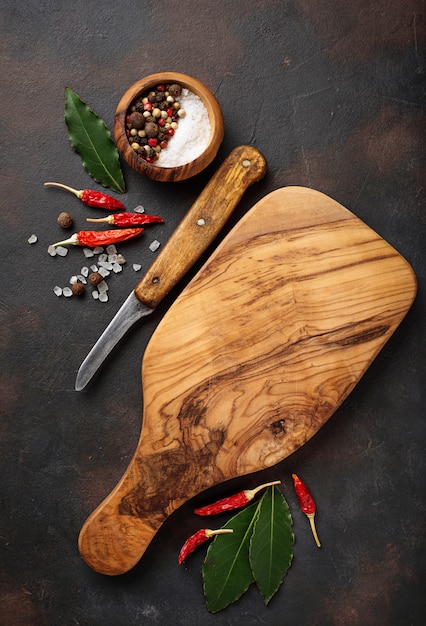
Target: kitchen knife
x=244 y=166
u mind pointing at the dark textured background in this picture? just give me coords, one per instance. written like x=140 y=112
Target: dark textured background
x=333 y=94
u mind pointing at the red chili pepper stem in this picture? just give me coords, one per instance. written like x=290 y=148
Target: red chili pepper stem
x=73 y=241
x=108 y=220
x=76 y=192
x=307 y=504
x=220 y=531
x=311 y=519
x=250 y=493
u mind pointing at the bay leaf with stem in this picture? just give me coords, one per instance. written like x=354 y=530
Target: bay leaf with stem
x=227 y=572
x=90 y=138
x=271 y=543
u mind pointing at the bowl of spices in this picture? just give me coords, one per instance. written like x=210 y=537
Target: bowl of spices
x=168 y=126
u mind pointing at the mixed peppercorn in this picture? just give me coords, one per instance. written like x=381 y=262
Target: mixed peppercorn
x=152 y=120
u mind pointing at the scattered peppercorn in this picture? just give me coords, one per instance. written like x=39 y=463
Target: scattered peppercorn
x=78 y=289
x=65 y=220
x=95 y=278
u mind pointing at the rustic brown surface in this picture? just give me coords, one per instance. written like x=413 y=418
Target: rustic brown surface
x=252 y=359
x=332 y=94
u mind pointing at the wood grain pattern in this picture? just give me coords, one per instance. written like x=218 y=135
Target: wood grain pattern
x=182 y=172
x=254 y=356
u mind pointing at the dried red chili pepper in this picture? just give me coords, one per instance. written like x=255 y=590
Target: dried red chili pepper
x=235 y=501
x=92 y=198
x=307 y=504
x=91 y=238
x=127 y=219
x=195 y=540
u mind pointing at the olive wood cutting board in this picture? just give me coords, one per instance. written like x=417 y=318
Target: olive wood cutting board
x=254 y=356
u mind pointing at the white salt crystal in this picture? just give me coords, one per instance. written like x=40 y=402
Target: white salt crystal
x=94 y=268
x=82 y=279
x=105 y=264
x=98 y=250
x=102 y=287
x=103 y=297
x=154 y=245
x=88 y=252
x=102 y=258
x=137 y=267
x=116 y=268
x=112 y=258
x=73 y=280
x=32 y=239
x=121 y=259
x=139 y=209
x=57 y=291
x=85 y=271
x=104 y=272
x=111 y=249
x=51 y=250
x=192 y=135
x=61 y=251
x=95 y=294
x=67 y=292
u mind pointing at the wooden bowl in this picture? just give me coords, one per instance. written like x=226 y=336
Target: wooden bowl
x=179 y=172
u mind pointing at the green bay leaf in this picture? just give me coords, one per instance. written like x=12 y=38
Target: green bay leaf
x=271 y=543
x=91 y=139
x=227 y=572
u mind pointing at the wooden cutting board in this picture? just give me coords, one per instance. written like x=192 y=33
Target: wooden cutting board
x=254 y=356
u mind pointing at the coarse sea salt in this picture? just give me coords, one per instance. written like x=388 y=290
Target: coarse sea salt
x=154 y=245
x=137 y=267
x=104 y=272
x=61 y=251
x=32 y=239
x=192 y=135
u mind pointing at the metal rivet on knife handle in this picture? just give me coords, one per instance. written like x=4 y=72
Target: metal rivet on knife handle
x=244 y=166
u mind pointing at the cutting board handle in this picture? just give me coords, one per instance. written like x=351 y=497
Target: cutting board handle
x=244 y=166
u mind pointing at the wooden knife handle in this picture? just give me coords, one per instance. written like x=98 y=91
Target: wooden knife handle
x=203 y=222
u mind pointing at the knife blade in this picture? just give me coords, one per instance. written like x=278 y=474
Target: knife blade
x=244 y=166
